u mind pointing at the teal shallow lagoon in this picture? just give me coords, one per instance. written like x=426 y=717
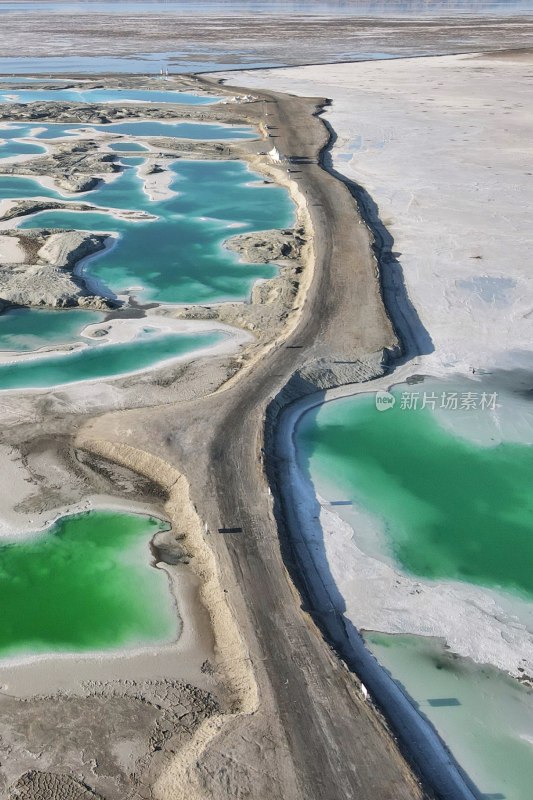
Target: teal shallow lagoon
x=23 y=330
x=12 y=148
x=85 y=584
x=13 y=187
x=100 y=361
x=104 y=96
x=485 y=717
x=450 y=508
x=178 y=130
x=179 y=257
x=131 y=147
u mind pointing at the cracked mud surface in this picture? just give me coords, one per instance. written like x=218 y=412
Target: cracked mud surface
x=110 y=741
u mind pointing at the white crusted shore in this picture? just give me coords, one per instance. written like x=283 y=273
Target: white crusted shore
x=441 y=146
x=487 y=626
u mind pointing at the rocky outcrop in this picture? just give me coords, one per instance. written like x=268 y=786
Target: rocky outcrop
x=77 y=183
x=65 y=248
x=49 y=281
x=23 y=208
x=37 y=286
x=262 y=247
x=91 y=114
x=74 y=165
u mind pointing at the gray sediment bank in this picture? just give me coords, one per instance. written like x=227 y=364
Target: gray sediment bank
x=46 y=279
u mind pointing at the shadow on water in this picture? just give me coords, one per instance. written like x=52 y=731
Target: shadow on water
x=415 y=339
x=307 y=562
x=297 y=512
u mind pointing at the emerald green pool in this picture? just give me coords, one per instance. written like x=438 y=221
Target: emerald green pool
x=85 y=584
x=449 y=508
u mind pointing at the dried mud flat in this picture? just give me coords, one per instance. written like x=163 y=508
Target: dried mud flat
x=109 y=741
x=256 y=39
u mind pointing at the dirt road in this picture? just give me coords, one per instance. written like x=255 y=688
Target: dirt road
x=313 y=736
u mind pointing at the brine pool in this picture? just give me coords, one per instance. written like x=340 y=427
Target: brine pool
x=446 y=486
x=173 y=255
x=82 y=95
x=206 y=131
x=88 y=583
x=85 y=584
x=485 y=717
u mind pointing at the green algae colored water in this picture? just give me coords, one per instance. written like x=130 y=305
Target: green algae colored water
x=485 y=717
x=99 y=361
x=449 y=508
x=85 y=584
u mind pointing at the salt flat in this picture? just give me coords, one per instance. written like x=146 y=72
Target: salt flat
x=443 y=146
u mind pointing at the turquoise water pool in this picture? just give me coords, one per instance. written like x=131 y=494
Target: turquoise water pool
x=174 y=255
x=177 y=258
x=12 y=148
x=25 y=330
x=104 y=96
x=131 y=147
x=205 y=131
x=100 y=360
